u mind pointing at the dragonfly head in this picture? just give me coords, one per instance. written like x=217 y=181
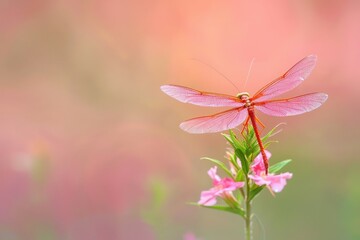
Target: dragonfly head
x=243 y=95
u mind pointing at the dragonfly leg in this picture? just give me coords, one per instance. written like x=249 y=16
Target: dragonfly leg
x=258 y=120
x=245 y=126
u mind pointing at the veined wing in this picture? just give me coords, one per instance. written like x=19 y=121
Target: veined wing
x=292 y=106
x=189 y=95
x=291 y=79
x=216 y=123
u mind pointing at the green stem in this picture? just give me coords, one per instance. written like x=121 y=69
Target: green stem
x=247 y=211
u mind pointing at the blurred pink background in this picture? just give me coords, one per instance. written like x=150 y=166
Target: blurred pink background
x=90 y=147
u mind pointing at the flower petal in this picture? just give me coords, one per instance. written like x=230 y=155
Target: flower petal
x=212 y=174
x=259 y=180
x=207 y=198
x=278 y=182
x=257 y=165
x=221 y=188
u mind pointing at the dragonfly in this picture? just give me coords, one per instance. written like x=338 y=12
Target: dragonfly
x=243 y=105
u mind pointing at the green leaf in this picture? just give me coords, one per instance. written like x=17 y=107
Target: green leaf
x=239 y=197
x=272 y=132
x=255 y=191
x=256 y=152
x=220 y=164
x=233 y=141
x=228 y=138
x=243 y=160
x=267 y=144
x=232 y=159
x=239 y=176
x=237 y=211
x=237 y=144
x=252 y=137
x=253 y=149
x=278 y=166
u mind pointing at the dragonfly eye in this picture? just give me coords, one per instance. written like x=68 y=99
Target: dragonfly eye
x=243 y=95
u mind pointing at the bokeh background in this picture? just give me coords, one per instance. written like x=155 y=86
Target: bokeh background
x=90 y=147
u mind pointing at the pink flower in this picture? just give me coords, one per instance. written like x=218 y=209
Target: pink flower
x=223 y=188
x=275 y=183
x=257 y=165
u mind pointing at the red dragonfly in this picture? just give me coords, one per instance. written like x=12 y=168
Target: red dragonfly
x=243 y=106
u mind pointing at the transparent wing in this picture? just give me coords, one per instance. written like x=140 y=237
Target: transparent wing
x=291 y=79
x=189 y=95
x=216 y=123
x=292 y=106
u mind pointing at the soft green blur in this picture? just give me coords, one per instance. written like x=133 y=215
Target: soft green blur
x=90 y=147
